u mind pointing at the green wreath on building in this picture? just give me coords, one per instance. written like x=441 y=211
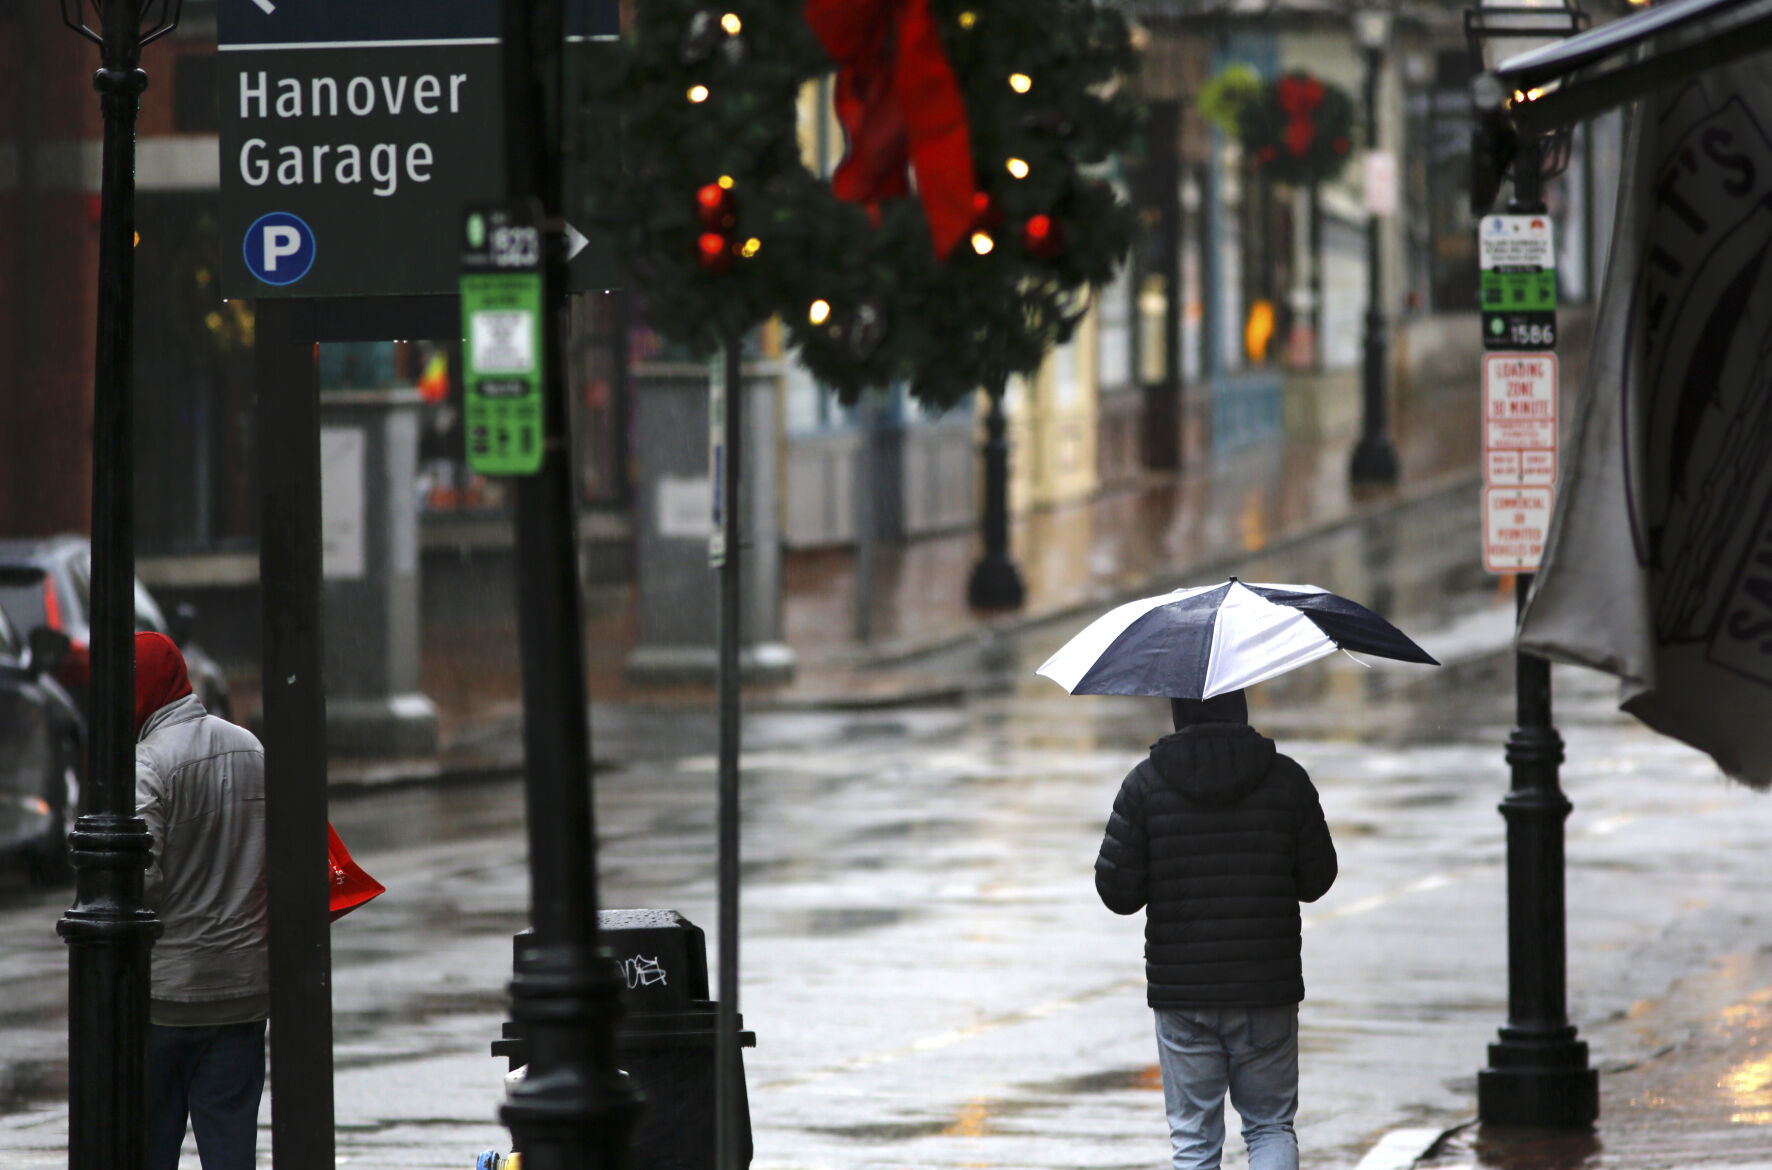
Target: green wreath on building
x=954 y=244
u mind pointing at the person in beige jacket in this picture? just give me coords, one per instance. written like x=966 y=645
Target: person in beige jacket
x=200 y=786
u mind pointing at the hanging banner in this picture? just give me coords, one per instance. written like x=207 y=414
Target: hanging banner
x=1659 y=565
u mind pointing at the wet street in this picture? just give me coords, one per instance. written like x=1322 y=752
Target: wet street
x=930 y=976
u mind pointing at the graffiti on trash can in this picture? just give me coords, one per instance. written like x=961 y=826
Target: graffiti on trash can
x=642 y=972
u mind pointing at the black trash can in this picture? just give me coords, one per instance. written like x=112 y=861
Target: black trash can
x=665 y=1039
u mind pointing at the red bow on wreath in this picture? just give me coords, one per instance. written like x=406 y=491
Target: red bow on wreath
x=899 y=103
x=1299 y=97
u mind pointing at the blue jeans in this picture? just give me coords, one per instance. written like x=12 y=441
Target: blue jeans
x=1252 y=1052
x=215 y=1077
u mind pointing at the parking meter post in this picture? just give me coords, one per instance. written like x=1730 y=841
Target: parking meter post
x=109 y=930
x=571 y=1111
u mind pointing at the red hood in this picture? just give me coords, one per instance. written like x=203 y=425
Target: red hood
x=160 y=676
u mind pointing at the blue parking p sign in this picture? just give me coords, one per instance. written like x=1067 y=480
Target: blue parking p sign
x=279 y=248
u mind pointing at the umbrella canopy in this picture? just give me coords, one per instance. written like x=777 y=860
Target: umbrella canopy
x=1205 y=641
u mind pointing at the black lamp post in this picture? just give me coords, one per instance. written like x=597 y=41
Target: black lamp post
x=996 y=582
x=1375 y=459
x=573 y=1111
x=108 y=929
x=1538 y=1073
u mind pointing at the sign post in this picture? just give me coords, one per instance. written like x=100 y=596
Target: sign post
x=1538 y=1073
x=352 y=135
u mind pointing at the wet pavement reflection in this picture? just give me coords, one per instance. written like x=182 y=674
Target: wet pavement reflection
x=930 y=976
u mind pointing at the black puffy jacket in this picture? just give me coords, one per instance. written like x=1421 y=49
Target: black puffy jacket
x=1221 y=837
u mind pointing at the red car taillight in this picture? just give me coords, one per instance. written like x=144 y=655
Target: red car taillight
x=77 y=667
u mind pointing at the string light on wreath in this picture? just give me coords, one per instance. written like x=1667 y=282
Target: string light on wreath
x=1017 y=168
x=698 y=94
x=819 y=312
x=1020 y=82
x=982 y=243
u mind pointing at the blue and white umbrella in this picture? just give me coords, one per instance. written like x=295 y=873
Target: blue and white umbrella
x=1209 y=640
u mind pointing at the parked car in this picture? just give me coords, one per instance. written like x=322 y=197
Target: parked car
x=48 y=583
x=42 y=753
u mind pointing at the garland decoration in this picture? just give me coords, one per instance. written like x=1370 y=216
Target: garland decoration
x=1297 y=129
x=1007 y=112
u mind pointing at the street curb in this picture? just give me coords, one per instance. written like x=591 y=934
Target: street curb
x=1401 y=1149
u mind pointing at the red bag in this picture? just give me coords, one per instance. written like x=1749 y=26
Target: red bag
x=351 y=887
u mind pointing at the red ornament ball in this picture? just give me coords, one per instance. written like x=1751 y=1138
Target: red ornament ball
x=713 y=252
x=1042 y=236
x=715 y=206
x=986 y=215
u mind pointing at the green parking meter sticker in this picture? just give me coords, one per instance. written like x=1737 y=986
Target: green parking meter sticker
x=1518 y=284
x=502 y=349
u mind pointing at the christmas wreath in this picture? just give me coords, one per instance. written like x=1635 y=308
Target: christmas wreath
x=998 y=108
x=1296 y=129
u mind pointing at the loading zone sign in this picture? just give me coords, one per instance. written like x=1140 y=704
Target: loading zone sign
x=1519 y=458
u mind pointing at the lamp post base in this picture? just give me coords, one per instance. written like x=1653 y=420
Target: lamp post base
x=1374 y=462
x=995 y=584
x=1541 y=1083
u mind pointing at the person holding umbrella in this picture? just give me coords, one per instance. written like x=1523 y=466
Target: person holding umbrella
x=1218 y=837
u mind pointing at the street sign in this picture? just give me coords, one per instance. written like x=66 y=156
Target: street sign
x=502 y=347
x=368 y=124
x=1518 y=289
x=1519 y=458
x=1519 y=418
x=1515 y=522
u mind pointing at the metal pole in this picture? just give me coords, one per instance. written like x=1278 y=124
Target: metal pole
x=1538 y=1073
x=571 y=1112
x=288 y=423
x=1375 y=460
x=108 y=929
x=996 y=582
x=867 y=480
x=726 y=1056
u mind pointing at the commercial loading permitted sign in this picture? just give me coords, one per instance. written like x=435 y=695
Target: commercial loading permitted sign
x=1519 y=458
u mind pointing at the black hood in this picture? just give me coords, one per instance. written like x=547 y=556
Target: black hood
x=1214 y=763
